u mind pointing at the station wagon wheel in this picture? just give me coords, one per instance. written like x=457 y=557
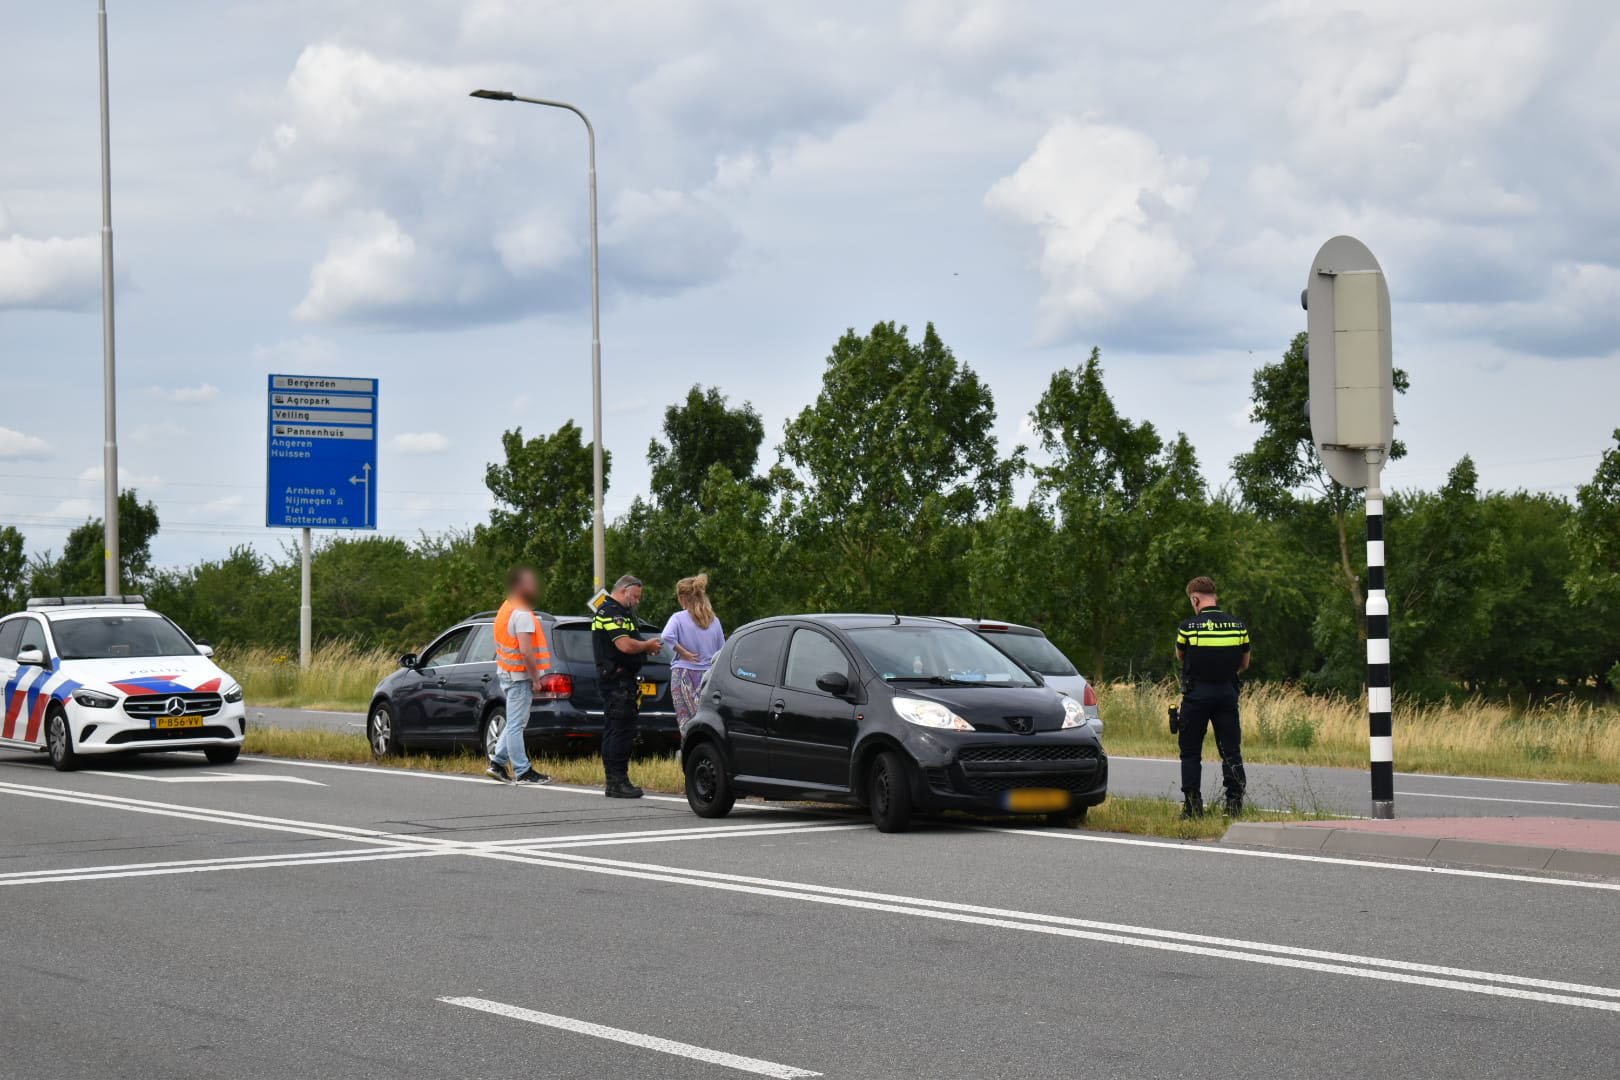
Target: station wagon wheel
x=708 y=788
x=888 y=793
x=380 y=730
x=59 y=741
x=494 y=725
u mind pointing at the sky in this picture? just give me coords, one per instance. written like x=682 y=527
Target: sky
x=305 y=187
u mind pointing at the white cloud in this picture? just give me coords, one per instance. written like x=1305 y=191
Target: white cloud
x=16 y=446
x=80 y=509
x=420 y=442
x=1108 y=208
x=126 y=479
x=365 y=273
x=297 y=351
x=225 y=506
x=56 y=273
x=537 y=243
x=186 y=395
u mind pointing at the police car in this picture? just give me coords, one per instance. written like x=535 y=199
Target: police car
x=105 y=675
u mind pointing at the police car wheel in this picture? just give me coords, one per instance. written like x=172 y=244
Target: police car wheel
x=708 y=789
x=888 y=793
x=221 y=755
x=490 y=736
x=380 y=730
x=59 y=741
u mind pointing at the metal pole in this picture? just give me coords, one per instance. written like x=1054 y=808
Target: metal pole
x=305 y=610
x=1380 y=730
x=598 y=527
x=109 y=382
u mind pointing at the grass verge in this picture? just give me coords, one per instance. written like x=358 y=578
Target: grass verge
x=341 y=675
x=1146 y=817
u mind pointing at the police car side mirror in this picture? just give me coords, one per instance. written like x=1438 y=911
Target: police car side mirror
x=32 y=656
x=408 y=660
x=205 y=647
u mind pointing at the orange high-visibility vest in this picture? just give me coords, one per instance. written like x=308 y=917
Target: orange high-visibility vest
x=508 y=655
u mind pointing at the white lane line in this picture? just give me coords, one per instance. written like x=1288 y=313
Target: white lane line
x=1110 y=927
x=634 y=1038
x=1295 y=856
x=678 y=878
x=17 y=875
x=203 y=778
x=531 y=841
x=383 y=770
x=1518 y=802
x=1262 y=767
x=1482 y=779
x=160 y=870
x=729 y=834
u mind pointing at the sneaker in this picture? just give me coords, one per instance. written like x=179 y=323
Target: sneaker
x=532 y=777
x=498 y=772
x=622 y=789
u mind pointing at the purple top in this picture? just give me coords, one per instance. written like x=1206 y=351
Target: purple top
x=682 y=630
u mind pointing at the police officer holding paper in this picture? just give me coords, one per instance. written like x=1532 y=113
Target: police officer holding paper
x=1212 y=647
x=620 y=651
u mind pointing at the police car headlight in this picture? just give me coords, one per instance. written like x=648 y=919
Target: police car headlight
x=94 y=699
x=233 y=695
x=1074 y=713
x=930 y=714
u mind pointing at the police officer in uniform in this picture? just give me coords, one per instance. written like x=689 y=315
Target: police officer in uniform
x=1212 y=647
x=620 y=651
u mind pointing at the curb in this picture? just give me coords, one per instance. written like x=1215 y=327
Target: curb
x=1326 y=841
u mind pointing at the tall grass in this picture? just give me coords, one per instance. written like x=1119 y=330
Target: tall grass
x=1556 y=740
x=341 y=675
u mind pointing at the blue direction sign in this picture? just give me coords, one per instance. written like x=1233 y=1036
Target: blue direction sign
x=322 y=453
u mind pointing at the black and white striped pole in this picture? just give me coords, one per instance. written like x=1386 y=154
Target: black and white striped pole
x=1352 y=408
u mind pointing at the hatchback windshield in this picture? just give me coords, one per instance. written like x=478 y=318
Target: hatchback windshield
x=108 y=636
x=943 y=654
x=1034 y=651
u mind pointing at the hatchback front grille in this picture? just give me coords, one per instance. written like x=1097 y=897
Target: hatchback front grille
x=988 y=755
x=146 y=706
x=1077 y=783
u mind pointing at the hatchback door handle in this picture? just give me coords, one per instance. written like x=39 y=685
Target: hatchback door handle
x=483 y=678
x=778 y=707
x=443 y=681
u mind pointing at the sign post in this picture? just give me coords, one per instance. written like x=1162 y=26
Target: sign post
x=1353 y=426
x=321 y=466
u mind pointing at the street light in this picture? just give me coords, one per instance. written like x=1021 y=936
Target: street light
x=598 y=535
x=109 y=405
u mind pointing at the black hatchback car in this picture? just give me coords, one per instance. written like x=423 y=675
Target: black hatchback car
x=897 y=714
x=448 y=696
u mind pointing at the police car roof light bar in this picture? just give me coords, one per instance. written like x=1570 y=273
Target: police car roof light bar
x=73 y=601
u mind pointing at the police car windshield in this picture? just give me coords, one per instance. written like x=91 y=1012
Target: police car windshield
x=936 y=654
x=108 y=636
x=1033 y=651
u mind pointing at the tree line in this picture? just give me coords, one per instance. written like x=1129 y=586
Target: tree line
x=889 y=492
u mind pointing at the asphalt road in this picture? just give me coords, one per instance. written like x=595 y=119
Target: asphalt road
x=1339 y=791
x=276 y=919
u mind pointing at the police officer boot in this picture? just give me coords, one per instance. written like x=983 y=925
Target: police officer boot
x=1234 y=804
x=622 y=789
x=1192 y=806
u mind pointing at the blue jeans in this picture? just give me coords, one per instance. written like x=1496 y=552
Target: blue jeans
x=519 y=693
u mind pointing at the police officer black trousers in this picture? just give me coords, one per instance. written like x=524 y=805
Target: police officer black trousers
x=1200 y=711
x=620 y=717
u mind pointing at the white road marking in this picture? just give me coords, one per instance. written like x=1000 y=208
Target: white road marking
x=634 y=1038
x=384 y=770
x=204 y=778
x=704 y=830
x=1482 y=779
x=909 y=907
x=202 y=866
x=1519 y=802
x=728 y=834
x=21 y=874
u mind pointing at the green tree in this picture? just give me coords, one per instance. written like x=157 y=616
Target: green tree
x=1284 y=468
x=699 y=433
x=242 y=599
x=79 y=571
x=1595 y=538
x=891 y=464
x=542 y=514
x=13 y=569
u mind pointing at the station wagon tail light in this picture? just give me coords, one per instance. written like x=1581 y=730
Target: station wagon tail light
x=929 y=714
x=555 y=687
x=1089 y=697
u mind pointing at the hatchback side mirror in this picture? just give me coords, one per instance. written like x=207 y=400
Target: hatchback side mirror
x=32 y=656
x=835 y=683
x=408 y=660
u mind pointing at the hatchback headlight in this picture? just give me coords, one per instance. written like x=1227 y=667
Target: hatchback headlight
x=94 y=699
x=1074 y=713
x=930 y=714
x=233 y=695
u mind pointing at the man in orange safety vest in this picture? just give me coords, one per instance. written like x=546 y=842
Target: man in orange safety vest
x=521 y=657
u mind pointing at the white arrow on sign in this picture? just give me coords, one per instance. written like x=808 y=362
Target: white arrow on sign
x=364 y=478
x=205 y=778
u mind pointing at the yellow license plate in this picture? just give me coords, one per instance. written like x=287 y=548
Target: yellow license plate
x=177 y=721
x=1037 y=800
x=649 y=689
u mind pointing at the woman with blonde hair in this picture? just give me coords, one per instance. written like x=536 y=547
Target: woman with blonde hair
x=694 y=632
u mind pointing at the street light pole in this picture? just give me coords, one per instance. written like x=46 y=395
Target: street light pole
x=109 y=407
x=598 y=530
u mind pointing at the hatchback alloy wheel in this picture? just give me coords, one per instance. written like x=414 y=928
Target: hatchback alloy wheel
x=380 y=730
x=493 y=729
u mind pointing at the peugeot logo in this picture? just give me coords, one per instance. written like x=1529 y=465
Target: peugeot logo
x=175 y=706
x=1023 y=725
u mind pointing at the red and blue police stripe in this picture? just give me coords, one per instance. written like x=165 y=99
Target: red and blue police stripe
x=29 y=692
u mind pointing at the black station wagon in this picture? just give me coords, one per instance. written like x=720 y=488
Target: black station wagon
x=897 y=714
